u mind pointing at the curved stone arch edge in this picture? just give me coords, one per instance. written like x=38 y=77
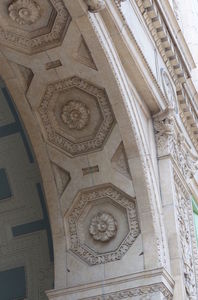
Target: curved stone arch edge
x=12 y=83
x=137 y=152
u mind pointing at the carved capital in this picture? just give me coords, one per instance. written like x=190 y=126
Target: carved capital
x=95 y=6
x=170 y=141
x=164 y=127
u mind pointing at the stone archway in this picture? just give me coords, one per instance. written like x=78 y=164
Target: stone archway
x=27 y=256
x=86 y=75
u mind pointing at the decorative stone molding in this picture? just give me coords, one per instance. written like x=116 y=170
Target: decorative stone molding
x=95 y=6
x=178 y=68
x=76 y=126
x=75 y=114
x=49 y=22
x=147 y=165
x=144 y=291
x=156 y=284
x=24 y=12
x=103 y=227
x=170 y=141
x=87 y=215
x=184 y=207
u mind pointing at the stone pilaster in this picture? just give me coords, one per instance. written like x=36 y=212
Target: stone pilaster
x=177 y=165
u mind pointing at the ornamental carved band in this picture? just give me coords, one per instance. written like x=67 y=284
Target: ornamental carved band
x=145 y=292
x=101 y=224
x=34 y=25
x=76 y=116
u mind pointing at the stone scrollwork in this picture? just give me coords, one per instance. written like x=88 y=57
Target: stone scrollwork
x=24 y=12
x=186 y=245
x=75 y=114
x=95 y=5
x=103 y=227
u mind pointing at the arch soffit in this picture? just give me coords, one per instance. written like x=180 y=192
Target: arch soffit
x=111 y=76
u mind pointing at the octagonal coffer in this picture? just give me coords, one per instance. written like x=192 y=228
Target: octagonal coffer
x=32 y=26
x=101 y=224
x=76 y=116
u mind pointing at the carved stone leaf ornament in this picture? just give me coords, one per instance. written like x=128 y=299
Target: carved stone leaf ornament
x=171 y=142
x=24 y=12
x=103 y=227
x=95 y=6
x=186 y=246
x=146 y=292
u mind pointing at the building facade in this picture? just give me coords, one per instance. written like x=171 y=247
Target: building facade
x=99 y=149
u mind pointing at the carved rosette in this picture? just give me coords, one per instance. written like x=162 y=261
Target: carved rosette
x=95 y=6
x=103 y=227
x=24 y=12
x=75 y=114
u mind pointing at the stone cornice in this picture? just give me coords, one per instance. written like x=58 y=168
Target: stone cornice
x=178 y=67
x=159 y=278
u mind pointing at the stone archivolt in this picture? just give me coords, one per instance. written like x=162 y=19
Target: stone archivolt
x=38 y=25
x=76 y=115
x=90 y=216
x=24 y=12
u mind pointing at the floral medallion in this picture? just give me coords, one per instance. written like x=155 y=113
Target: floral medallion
x=75 y=114
x=24 y=12
x=103 y=227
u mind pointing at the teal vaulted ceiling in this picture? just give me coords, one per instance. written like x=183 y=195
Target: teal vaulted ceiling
x=26 y=250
